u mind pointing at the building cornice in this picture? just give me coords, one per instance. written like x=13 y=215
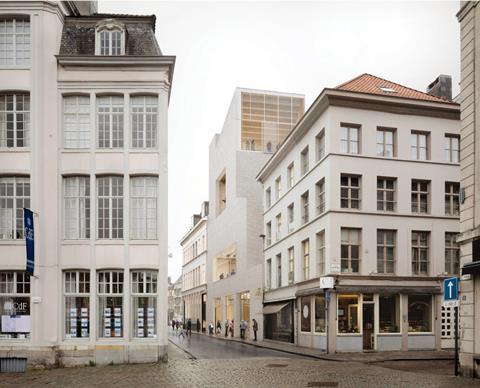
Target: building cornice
x=465 y=9
x=193 y=229
x=348 y=99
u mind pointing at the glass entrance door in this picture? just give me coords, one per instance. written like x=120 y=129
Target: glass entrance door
x=368 y=326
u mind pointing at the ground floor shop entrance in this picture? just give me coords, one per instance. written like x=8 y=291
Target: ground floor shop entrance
x=368 y=325
x=279 y=321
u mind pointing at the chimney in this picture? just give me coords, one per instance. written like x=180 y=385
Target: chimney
x=204 y=209
x=195 y=219
x=441 y=87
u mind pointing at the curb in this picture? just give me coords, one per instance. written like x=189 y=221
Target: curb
x=326 y=358
x=183 y=350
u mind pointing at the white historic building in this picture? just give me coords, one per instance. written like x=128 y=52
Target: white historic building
x=256 y=123
x=365 y=190
x=194 y=287
x=83 y=143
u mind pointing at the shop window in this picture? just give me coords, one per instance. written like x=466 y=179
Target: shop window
x=320 y=316
x=14 y=305
x=110 y=304
x=389 y=321
x=306 y=324
x=419 y=313
x=347 y=314
x=77 y=301
x=144 y=303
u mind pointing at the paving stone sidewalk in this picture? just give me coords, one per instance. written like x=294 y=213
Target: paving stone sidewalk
x=365 y=357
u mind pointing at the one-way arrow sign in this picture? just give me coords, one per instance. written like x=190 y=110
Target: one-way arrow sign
x=450 y=291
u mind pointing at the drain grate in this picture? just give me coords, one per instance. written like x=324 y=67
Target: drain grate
x=276 y=365
x=322 y=384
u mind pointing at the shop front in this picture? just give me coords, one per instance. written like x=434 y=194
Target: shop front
x=279 y=321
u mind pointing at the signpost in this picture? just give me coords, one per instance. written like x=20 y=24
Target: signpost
x=450 y=299
x=327 y=283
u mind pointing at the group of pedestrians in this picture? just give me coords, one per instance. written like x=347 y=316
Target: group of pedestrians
x=229 y=327
x=185 y=328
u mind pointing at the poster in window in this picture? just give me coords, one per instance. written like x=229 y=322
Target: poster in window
x=84 y=322
x=151 y=332
x=140 y=312
x=84 y=312
x=118 y=332
x=73 y=312
x=140 y=322
x=107 y=332
x=118 y=311
x=118 y=322
x=84 y=332
x=73 y=323
x=107 y=322
x=151 y=321
x=151 y=312
x=107 y=312
x=140 y=332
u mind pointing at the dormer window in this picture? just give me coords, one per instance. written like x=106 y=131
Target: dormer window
x=110 y=38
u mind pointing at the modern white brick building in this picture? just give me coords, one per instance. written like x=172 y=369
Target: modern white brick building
x=194 y=287
x=83 y=143
x=364 y=189
x=256 y=123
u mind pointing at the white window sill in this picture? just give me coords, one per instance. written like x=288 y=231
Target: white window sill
x=13 y=67
x=12 y=242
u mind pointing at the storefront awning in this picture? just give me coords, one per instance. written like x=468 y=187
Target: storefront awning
x=472 y=268
x=273 y=308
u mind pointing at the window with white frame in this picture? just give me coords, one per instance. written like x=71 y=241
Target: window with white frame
x=419 y=145
x=320 y=191
x=452 y=254
x=14 y=305
x=291 y=217
x=350 y=250
x=14 y=41
x=290 y=175
x=110 y=207
x=76 y=207
x=350 y=139
x=77 y=304
x=291 y=265
x=386 y=194
x=386 y=142
x=320 y=143
x=14 y=196
x=268 y=234
x=452 y=204
x=143 y=208
x=110 y=122
x=321 y=252
x=420 y=252
x=268 y=198
x=386 y=241
x=14 y=120
x=279 y=270
x=306 y=259
x=268 y=274
x=452 y=148
x=144 y=304
x=144 y=121
x=305 y=162
x=305 y=210
x=349 y=191
x=278 y=234
x=420 y=196
x=76 y=121
x=110 y=38
x=110 y=304
x=278 y=187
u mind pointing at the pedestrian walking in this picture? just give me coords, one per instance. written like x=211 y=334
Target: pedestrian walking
x=243 y=327
x=232 y=323
x=219 y=328
x=226 y=328
x=177 y=325
x=210 y=328
x=198 y=325
x=255 y=328
x=173 y=324
x=189 y=327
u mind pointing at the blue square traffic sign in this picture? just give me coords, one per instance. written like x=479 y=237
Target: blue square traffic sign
x=450 y=289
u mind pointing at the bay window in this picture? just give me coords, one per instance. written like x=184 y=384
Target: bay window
x=14 y=196
x=15 y=319
x=143 y=205
x=76 y=207
x=77 y=304
x=14 y=120
x=14 y=41
x=144 y=304
x=110 y=304
x=76 y=121
x=110 y=122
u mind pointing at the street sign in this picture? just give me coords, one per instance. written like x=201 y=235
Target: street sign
x=327 y=296
x=327 y=282
x=450 y=292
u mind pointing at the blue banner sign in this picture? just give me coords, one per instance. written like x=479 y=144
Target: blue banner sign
x=29 y=240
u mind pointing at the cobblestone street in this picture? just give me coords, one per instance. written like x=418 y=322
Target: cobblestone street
x=183 y=371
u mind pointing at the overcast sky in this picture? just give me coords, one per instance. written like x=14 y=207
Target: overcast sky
x=298 y=47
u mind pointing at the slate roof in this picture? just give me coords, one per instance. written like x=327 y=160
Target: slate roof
x=370 y=84
x=78 y=35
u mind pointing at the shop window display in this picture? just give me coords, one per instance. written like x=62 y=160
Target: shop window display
x=305 y=312
x=110 y=304
x=320 y=316
x=14 y=305
x=389 y=321
x=77 y=310
x=347 y=314
x=144 y=304
x=419 y=313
